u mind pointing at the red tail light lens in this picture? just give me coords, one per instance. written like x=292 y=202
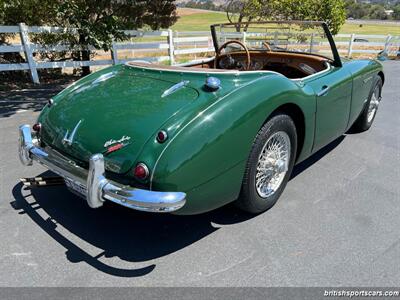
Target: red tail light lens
x=36 y=127
x=162 y=136
x=141 y=171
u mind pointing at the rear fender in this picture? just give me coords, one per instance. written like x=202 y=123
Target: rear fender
x=218 y=141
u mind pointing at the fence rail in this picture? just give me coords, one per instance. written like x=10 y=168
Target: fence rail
x=165 y=45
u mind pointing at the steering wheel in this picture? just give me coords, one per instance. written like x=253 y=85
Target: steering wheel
x=266 y=45
x=218 y=53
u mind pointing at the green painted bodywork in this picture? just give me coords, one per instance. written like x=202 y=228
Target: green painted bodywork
x=210 y=133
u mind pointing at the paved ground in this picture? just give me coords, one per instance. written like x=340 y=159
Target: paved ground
x=337 y=224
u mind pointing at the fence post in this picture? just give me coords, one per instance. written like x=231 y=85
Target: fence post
x=349 y=53
x=312 y=42
x=275 y=38
x=114 y=54
x=23 y=31
x=171 y=46
x=387 y=43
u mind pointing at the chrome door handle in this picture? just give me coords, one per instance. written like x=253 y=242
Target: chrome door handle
x=324 y=91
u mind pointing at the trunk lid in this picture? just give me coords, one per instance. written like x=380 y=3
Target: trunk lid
x=117 y=106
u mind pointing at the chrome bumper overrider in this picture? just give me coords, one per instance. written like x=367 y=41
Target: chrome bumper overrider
x=94 y=186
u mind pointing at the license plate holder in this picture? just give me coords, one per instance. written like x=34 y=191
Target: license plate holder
x=76 y=187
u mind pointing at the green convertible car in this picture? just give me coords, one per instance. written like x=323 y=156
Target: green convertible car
x=190 y=138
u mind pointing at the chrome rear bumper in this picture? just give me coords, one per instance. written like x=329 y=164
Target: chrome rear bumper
x=92 y=183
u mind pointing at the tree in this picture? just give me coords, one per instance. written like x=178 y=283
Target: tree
x=199 y=4
x=396 y=12
x=377 y=12
x=13 y=12
x=99 y=22
x=239 y=11
x=333 y=12
x=357 y=10
x=96 y=23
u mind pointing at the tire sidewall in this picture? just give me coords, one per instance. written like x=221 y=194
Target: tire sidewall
x=276 y=123
x=363 y=123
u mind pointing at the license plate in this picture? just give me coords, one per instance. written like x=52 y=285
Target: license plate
x=76 y=187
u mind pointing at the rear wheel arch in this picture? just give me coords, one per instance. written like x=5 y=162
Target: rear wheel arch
x=363 y=122
x=382 y=76
x=297 y=115
x=256 y=195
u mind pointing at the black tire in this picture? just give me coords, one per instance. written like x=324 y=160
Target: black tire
x=363 y=123
x=250 y=199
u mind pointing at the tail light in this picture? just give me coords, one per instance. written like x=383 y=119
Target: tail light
x=162 y=136
x=141 y=171
x=36 y=127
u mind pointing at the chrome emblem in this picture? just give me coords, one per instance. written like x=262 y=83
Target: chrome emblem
x=68 y=140
x=175 y=88
x=121 y=140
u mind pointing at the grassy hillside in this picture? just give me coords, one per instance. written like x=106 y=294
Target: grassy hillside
x=197 y=20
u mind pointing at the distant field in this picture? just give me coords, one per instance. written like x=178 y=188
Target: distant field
x=371 y=29
x=196 y=20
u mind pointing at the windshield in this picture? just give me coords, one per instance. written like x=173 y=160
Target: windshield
x=303 y=37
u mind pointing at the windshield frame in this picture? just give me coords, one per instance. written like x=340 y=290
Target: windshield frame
x=337 y=62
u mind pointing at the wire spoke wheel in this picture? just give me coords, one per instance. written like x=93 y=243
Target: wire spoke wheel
x=273 y=164
x=269 y=165
x=373 y=105
x=367 y=116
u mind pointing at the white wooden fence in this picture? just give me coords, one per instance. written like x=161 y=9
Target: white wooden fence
x=157 y=46
x=372 y=44
x=347 y=44
x=164 y=46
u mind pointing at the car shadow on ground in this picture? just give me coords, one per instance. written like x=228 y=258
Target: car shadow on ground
x=15 y=97
x=32 y=100
x=300 y=167
x=129 y=235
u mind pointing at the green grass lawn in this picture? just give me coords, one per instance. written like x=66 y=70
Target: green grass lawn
x=371 y=29
x=201 y=22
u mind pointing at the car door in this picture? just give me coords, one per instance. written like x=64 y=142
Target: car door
x=333 y=100
x=363 y=79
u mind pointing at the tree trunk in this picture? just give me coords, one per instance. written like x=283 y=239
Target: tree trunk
x=84 y=55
